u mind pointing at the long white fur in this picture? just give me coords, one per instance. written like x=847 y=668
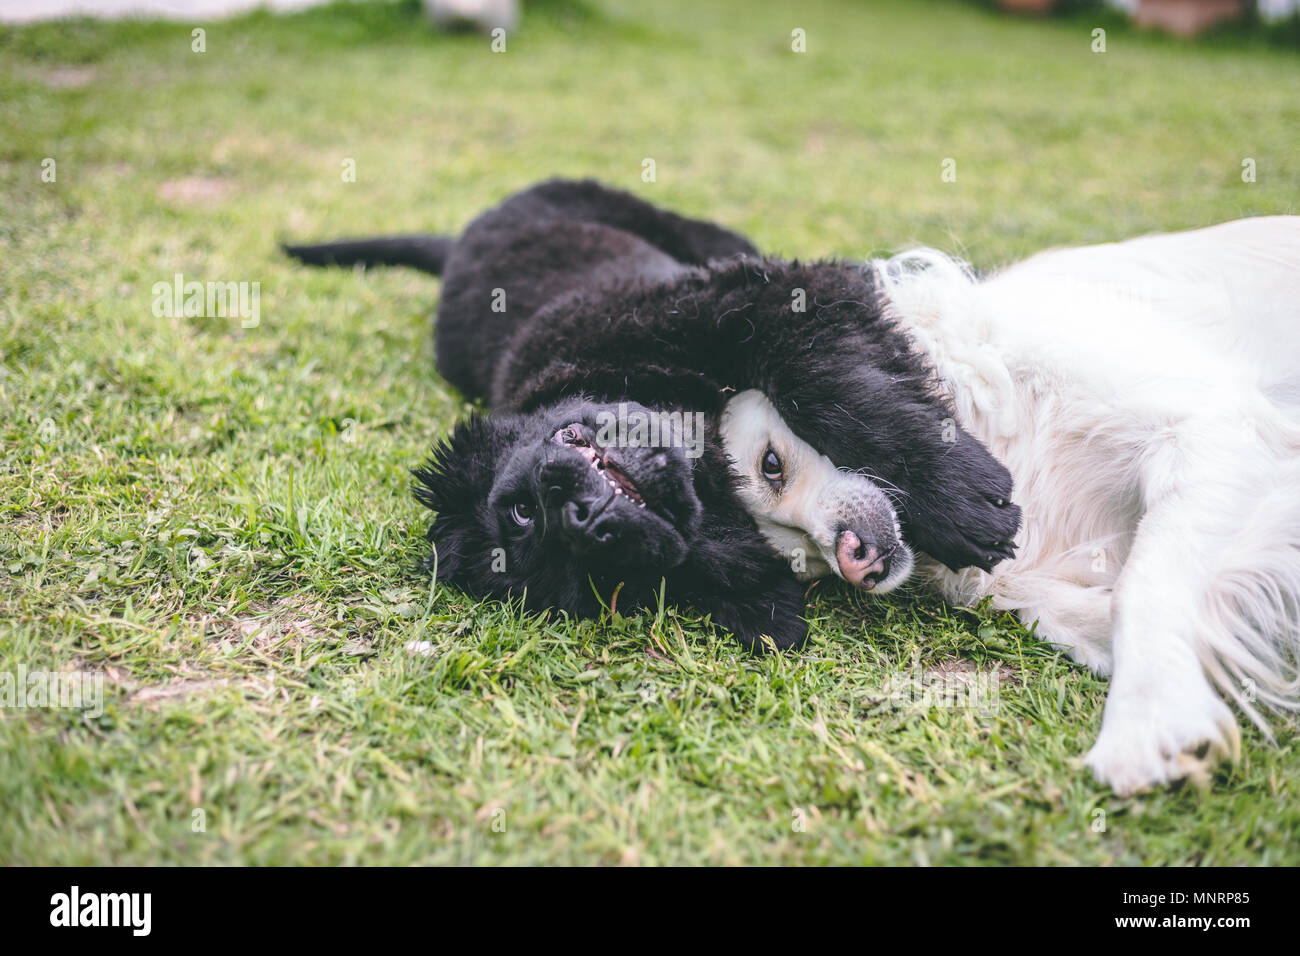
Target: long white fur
x=1145 y=396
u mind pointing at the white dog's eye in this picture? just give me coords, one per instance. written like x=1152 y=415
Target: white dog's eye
x=772 y=468
x=522 y=513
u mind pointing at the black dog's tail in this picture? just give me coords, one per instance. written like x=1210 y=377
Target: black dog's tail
x=426 y=253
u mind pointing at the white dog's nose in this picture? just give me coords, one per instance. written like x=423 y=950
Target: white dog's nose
x=861 y=564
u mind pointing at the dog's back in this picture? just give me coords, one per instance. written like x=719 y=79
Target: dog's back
x=557 y=239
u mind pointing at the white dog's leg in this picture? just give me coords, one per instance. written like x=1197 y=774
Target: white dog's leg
x=1074 y=617
x=1163 y=719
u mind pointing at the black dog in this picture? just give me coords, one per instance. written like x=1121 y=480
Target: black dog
x=569 y=299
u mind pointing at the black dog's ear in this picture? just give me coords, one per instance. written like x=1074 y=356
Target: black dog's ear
x=454 y=483
x=452 y=539
x=774 y=614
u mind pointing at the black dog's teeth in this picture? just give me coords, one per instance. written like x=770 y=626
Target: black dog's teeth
x=570 y=436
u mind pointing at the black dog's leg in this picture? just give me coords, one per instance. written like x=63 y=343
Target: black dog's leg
x=765 y=615
x=733 y=575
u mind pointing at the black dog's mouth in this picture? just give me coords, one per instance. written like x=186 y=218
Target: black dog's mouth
x=598 y=459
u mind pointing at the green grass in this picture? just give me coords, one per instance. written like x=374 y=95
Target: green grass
x=188 y=511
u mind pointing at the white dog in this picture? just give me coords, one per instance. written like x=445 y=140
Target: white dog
x=1145 y=396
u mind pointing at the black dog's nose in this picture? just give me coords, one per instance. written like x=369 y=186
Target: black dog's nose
x=574 y=515
x=585 y=529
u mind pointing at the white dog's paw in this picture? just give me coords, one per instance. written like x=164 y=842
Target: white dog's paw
x=1151 y=739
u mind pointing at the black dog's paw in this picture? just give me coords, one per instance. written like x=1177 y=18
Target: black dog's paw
x=770 y=620
x=964 y=516
x=977 y=535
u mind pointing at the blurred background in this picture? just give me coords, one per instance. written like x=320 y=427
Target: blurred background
x=1187 y=17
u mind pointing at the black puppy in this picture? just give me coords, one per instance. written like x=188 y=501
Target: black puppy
x=569 y=299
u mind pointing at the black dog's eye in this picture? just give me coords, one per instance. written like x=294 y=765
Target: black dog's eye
x=771 y=467
x=522 y=513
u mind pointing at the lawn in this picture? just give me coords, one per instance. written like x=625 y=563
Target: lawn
x=216 y=518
